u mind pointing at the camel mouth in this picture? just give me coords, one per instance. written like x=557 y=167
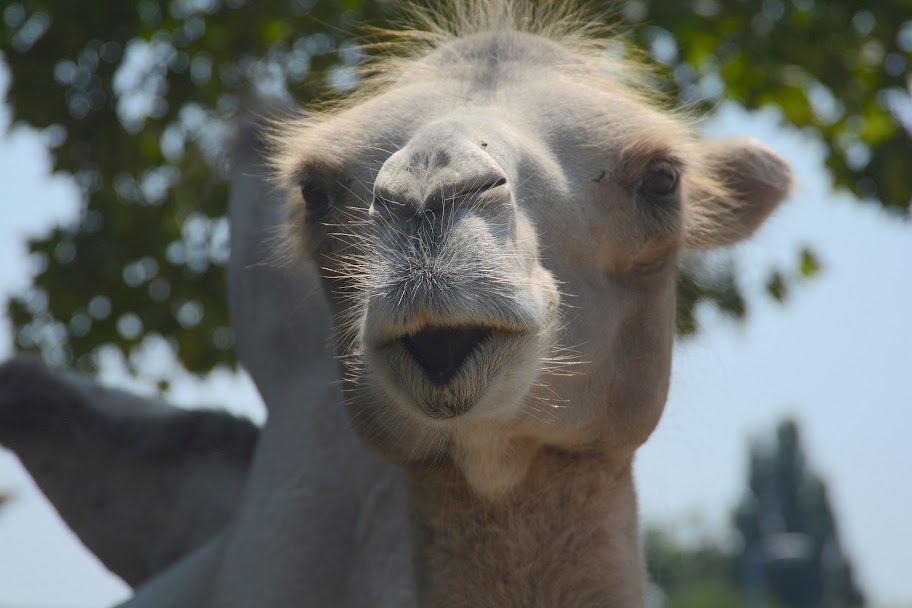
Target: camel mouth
x=441 y=351
x=446 y=370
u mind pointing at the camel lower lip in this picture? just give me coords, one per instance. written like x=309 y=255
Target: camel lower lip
x=440 y=351
x=446 y=385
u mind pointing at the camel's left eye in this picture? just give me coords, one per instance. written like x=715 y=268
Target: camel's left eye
x=315 y=197
x=660 y=180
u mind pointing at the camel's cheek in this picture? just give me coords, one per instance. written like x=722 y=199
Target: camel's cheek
x=619 y=336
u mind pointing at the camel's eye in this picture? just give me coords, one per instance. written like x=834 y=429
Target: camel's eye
x=315 y=198
x=660 y=180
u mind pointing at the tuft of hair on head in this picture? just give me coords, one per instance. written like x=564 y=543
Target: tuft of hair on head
x=579 y=27
x=566 y=21
x=423 y=28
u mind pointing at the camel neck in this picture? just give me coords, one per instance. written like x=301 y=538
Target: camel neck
x=565 y=537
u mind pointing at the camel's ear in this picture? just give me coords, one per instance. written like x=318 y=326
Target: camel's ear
x=739 y=183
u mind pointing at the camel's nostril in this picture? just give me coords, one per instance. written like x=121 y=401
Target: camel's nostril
x=440 y=351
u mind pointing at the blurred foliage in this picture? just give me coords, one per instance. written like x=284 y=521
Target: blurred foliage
x=701 y=575
x=695 y=575
x=791 y=547
x=137 y=101
x=841 y=68
x=786 y=552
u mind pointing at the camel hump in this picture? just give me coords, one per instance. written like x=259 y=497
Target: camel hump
x=117 y=466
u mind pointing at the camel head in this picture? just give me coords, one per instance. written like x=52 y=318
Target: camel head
x=498 y=221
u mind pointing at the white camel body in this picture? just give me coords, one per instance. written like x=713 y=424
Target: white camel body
x=497 y=221
x=311 y=518
x=322 y=521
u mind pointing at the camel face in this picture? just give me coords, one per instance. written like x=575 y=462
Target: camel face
x=459 y=310
x=476 y=228
x=499 y=230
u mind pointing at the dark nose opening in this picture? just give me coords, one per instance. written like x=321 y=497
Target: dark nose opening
x=441 y=351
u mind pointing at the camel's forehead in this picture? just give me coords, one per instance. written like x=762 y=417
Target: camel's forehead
x=526 y=83
x=559 y=112
x=498 y=53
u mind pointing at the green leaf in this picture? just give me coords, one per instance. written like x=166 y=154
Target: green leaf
x=809 y=265
x=776 y=287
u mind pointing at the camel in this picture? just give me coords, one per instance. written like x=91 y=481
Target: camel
x=496 y=217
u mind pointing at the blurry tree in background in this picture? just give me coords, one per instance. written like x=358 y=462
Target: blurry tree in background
x=791 y=546
x=137 y=101
x=787 y=553
x=692 y=575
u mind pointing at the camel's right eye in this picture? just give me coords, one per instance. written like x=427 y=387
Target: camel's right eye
x=660 y=180
x=315 y=198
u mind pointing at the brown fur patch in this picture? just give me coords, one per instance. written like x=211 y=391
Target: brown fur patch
x=566 y=536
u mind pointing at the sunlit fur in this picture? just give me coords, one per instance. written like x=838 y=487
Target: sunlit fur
x=498 y=168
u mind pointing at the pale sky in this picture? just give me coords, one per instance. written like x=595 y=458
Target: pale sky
x=837 y=356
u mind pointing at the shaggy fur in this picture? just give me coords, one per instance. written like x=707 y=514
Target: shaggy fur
x=501 y=169
x=473 y=553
